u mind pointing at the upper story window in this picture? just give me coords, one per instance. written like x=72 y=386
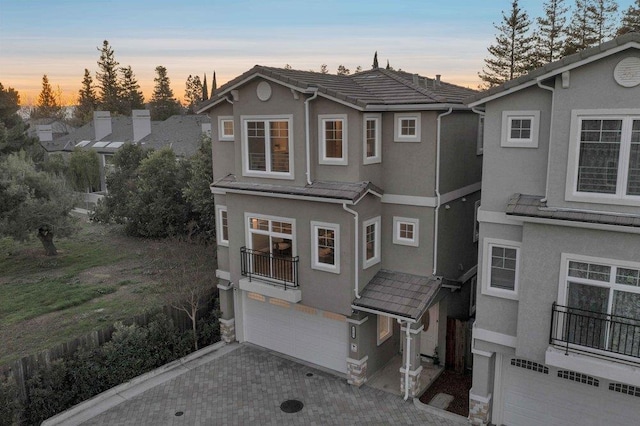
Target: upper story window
x=267 y=148
x=405 y=231
x=604 y=159
x=225 y=128
x=333 y=139
x=520 y=129
x=501 y=268
x=372 y=139
x=325 y=250
x=407 y=127
x=371 y=237
x=223 y=226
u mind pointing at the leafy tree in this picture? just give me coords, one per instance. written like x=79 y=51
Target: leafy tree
x=108 y=83
x=511 y=55
x=163 y=105
x=342 y=70
x=375 y=61
x=47 y=105
x=132 y=97
x=87 y=100
x=33 y=201
x=358 y=69
x=84 y=170
x=631 y=20
x=55 y=164
x=324 y=69
x=13 y=130
x=288 y=67
x=198 y=194
x=603 y=15
x=205 y=89
x=192 y=93
x=550 y=31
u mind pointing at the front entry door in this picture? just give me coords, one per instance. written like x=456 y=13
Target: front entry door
x=429 y=338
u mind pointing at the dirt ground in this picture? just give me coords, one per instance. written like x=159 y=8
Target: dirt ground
x=454 y=384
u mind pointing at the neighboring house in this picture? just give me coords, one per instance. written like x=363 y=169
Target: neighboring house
x=345 y=209
x=106 y=134
x=556 y=339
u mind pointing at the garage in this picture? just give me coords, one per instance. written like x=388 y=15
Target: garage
x=534 y=394
x=299 y=331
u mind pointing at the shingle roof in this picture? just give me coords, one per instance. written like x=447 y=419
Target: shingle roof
x=555 y=66
x=374 y=87
x=531 y=206
x=396 y=293
x=346 y=191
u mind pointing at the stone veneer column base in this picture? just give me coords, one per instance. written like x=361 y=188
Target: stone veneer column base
x=414 y=381
x=479 y=409
x=357 y=371
x=228 y=330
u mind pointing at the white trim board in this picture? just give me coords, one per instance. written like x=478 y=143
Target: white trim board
x=418 y=201
x=494 y=337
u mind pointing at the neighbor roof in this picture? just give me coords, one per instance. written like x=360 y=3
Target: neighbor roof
x=630 y=40
x=340 y=191
x=376 y=87
x=532 y=206
x=399 y=294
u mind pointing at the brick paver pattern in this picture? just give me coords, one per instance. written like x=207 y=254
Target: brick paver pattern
x=247 y=386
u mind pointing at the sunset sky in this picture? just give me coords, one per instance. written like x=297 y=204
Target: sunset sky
x=60 y=38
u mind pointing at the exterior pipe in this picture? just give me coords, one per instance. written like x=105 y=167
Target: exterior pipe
x=307 y=135
x=435 y=222
x=357 y=258
x=552 y=90
x=408 y=364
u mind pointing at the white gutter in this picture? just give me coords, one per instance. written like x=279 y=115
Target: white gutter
x=435 y=224
x=552 y=90
x=408 y=364
x=357 y=257
x=307 y=135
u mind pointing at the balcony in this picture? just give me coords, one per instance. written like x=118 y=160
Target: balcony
x=605 y=335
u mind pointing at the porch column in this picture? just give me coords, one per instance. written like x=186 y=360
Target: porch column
x=357 y=361
x=227 y=320
x=412 y=349
x=480 y=394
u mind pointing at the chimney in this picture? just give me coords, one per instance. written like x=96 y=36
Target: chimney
x=44 y=132
x=438 y=80
x=416 y=79
x=141 y=119
x=101 y=124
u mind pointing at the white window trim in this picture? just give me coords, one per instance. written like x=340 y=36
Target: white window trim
x=476 y=223
x=315 y=264
x=221 y=135
x=571 y=192
x=396 y=131
x=376 y=258
x=245 y=147
x=473 y=296
x=487 y=244
x=377 y=118
x=381 y=339
x=219 y=234
x=480 y=140
x=322 y=158
x=249 y=231
x=506 y=140
x=415 y=241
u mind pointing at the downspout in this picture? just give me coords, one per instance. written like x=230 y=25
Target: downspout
x=307 y=135
x=357 y=258
x=552 y=90
x=435 y=223
x=408 y=364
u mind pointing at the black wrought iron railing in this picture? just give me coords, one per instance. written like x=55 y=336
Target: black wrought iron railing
x=277 y=270
x=595 y=332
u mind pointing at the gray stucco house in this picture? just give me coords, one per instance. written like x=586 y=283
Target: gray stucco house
x=345 y=209
x=556 y=338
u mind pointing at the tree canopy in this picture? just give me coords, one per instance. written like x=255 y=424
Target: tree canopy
x=193 y=93
x=631 y=19
x=87 y=101
x=47 y=105
x=13 y=130
x=132 y=97
x=107 y=77
x=163 y=104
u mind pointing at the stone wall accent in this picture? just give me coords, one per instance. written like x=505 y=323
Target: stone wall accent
x=414 y=381
x=479 y=410
x=228 y=330
x=357 y=371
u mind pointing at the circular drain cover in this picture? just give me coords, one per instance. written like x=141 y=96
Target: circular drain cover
x=291 y=406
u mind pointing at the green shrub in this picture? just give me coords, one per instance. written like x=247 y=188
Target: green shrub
x=10 y=404
x=48 y=392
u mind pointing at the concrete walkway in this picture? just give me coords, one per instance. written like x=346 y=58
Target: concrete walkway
x=244 y=384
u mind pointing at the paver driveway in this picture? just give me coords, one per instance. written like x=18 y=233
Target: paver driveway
x=247 y=386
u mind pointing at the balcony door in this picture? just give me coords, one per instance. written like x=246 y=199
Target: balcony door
x=271 y=241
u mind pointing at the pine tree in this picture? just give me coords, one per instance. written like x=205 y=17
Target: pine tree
x=550 y=35
x=375 y=61
x=580 y=33
x=132 y=97
x=214 y=84
x=631 y=20
x=192 y=93
x=163 y=105
x=87 y=101
x=603 y=15
x=205 y=89
x=342 y=70
x=511 y=56
x=47 y=106
x=110 y=90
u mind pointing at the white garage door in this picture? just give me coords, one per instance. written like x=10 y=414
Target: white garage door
x=299 y=331
x=531 y=397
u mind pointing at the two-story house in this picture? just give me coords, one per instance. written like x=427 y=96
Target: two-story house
x=345 y=215
x=556 y=338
